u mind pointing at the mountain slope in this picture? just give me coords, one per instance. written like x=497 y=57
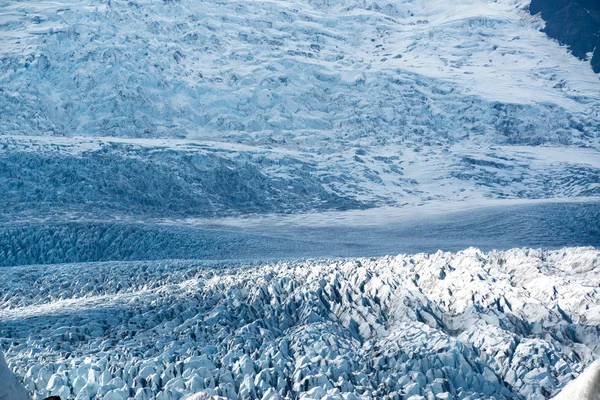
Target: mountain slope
x=575 y=23
x=294 y=106
x=292 y=73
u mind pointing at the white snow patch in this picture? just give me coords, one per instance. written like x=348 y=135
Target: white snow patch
x=585 y=387
x=10 y=388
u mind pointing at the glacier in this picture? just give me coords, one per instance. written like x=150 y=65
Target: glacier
x=516 y=324
x=353 y=233
x=206 y=199
x=302 y=73
x=167 y=108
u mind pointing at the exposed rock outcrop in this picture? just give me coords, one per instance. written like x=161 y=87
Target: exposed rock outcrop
x=575 y=23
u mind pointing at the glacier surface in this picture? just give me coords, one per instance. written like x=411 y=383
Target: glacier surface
x=154 y=155
x=220 y=108
x=299 y=73
x=355 y=233
x=515 y=324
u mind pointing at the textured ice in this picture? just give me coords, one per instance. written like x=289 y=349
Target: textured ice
x=354 y=233
x=513 y=324
x=292 y=73
x=212 y=108
x=103 y=178
x=127 y=127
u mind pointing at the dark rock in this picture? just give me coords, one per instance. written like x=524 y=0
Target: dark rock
x=575 y=23
x=52 y=398
x=596 y=60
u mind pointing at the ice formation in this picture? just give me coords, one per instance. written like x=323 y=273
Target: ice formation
x=10 y=388
x=302 y=72
x=304 y=105
x=515 y=324
x=123 y=123
x=585 y=387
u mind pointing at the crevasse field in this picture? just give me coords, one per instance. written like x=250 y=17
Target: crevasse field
x=504 y=325
x=301 y=199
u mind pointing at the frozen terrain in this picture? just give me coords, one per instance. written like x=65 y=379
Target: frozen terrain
x=178 y=176
x=515 y=324
x=302 y=73
x=177 y=109
x=10 y=388
x=103 y=177
x=133 y=109
x=373 y=232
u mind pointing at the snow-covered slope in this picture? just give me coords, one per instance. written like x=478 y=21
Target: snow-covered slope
x=295 y=106
x=129 y=128
x=10 y=388
x=106 y=178
x=293 y=73
x=585 y=387
x=517 y=324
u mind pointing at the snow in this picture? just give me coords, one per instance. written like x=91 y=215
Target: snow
x=292 y=74
x=585 y=387
x=194 y=178
x=515 y=324
x=156 y=156
x=166 y=108
x=10 y=388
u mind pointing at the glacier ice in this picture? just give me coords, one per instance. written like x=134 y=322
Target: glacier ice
x=169 y=107
x=104 y=179
x=10 y=388
x=128 y=127
x=514 y=324
x=292 y=73
x=585 y=387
